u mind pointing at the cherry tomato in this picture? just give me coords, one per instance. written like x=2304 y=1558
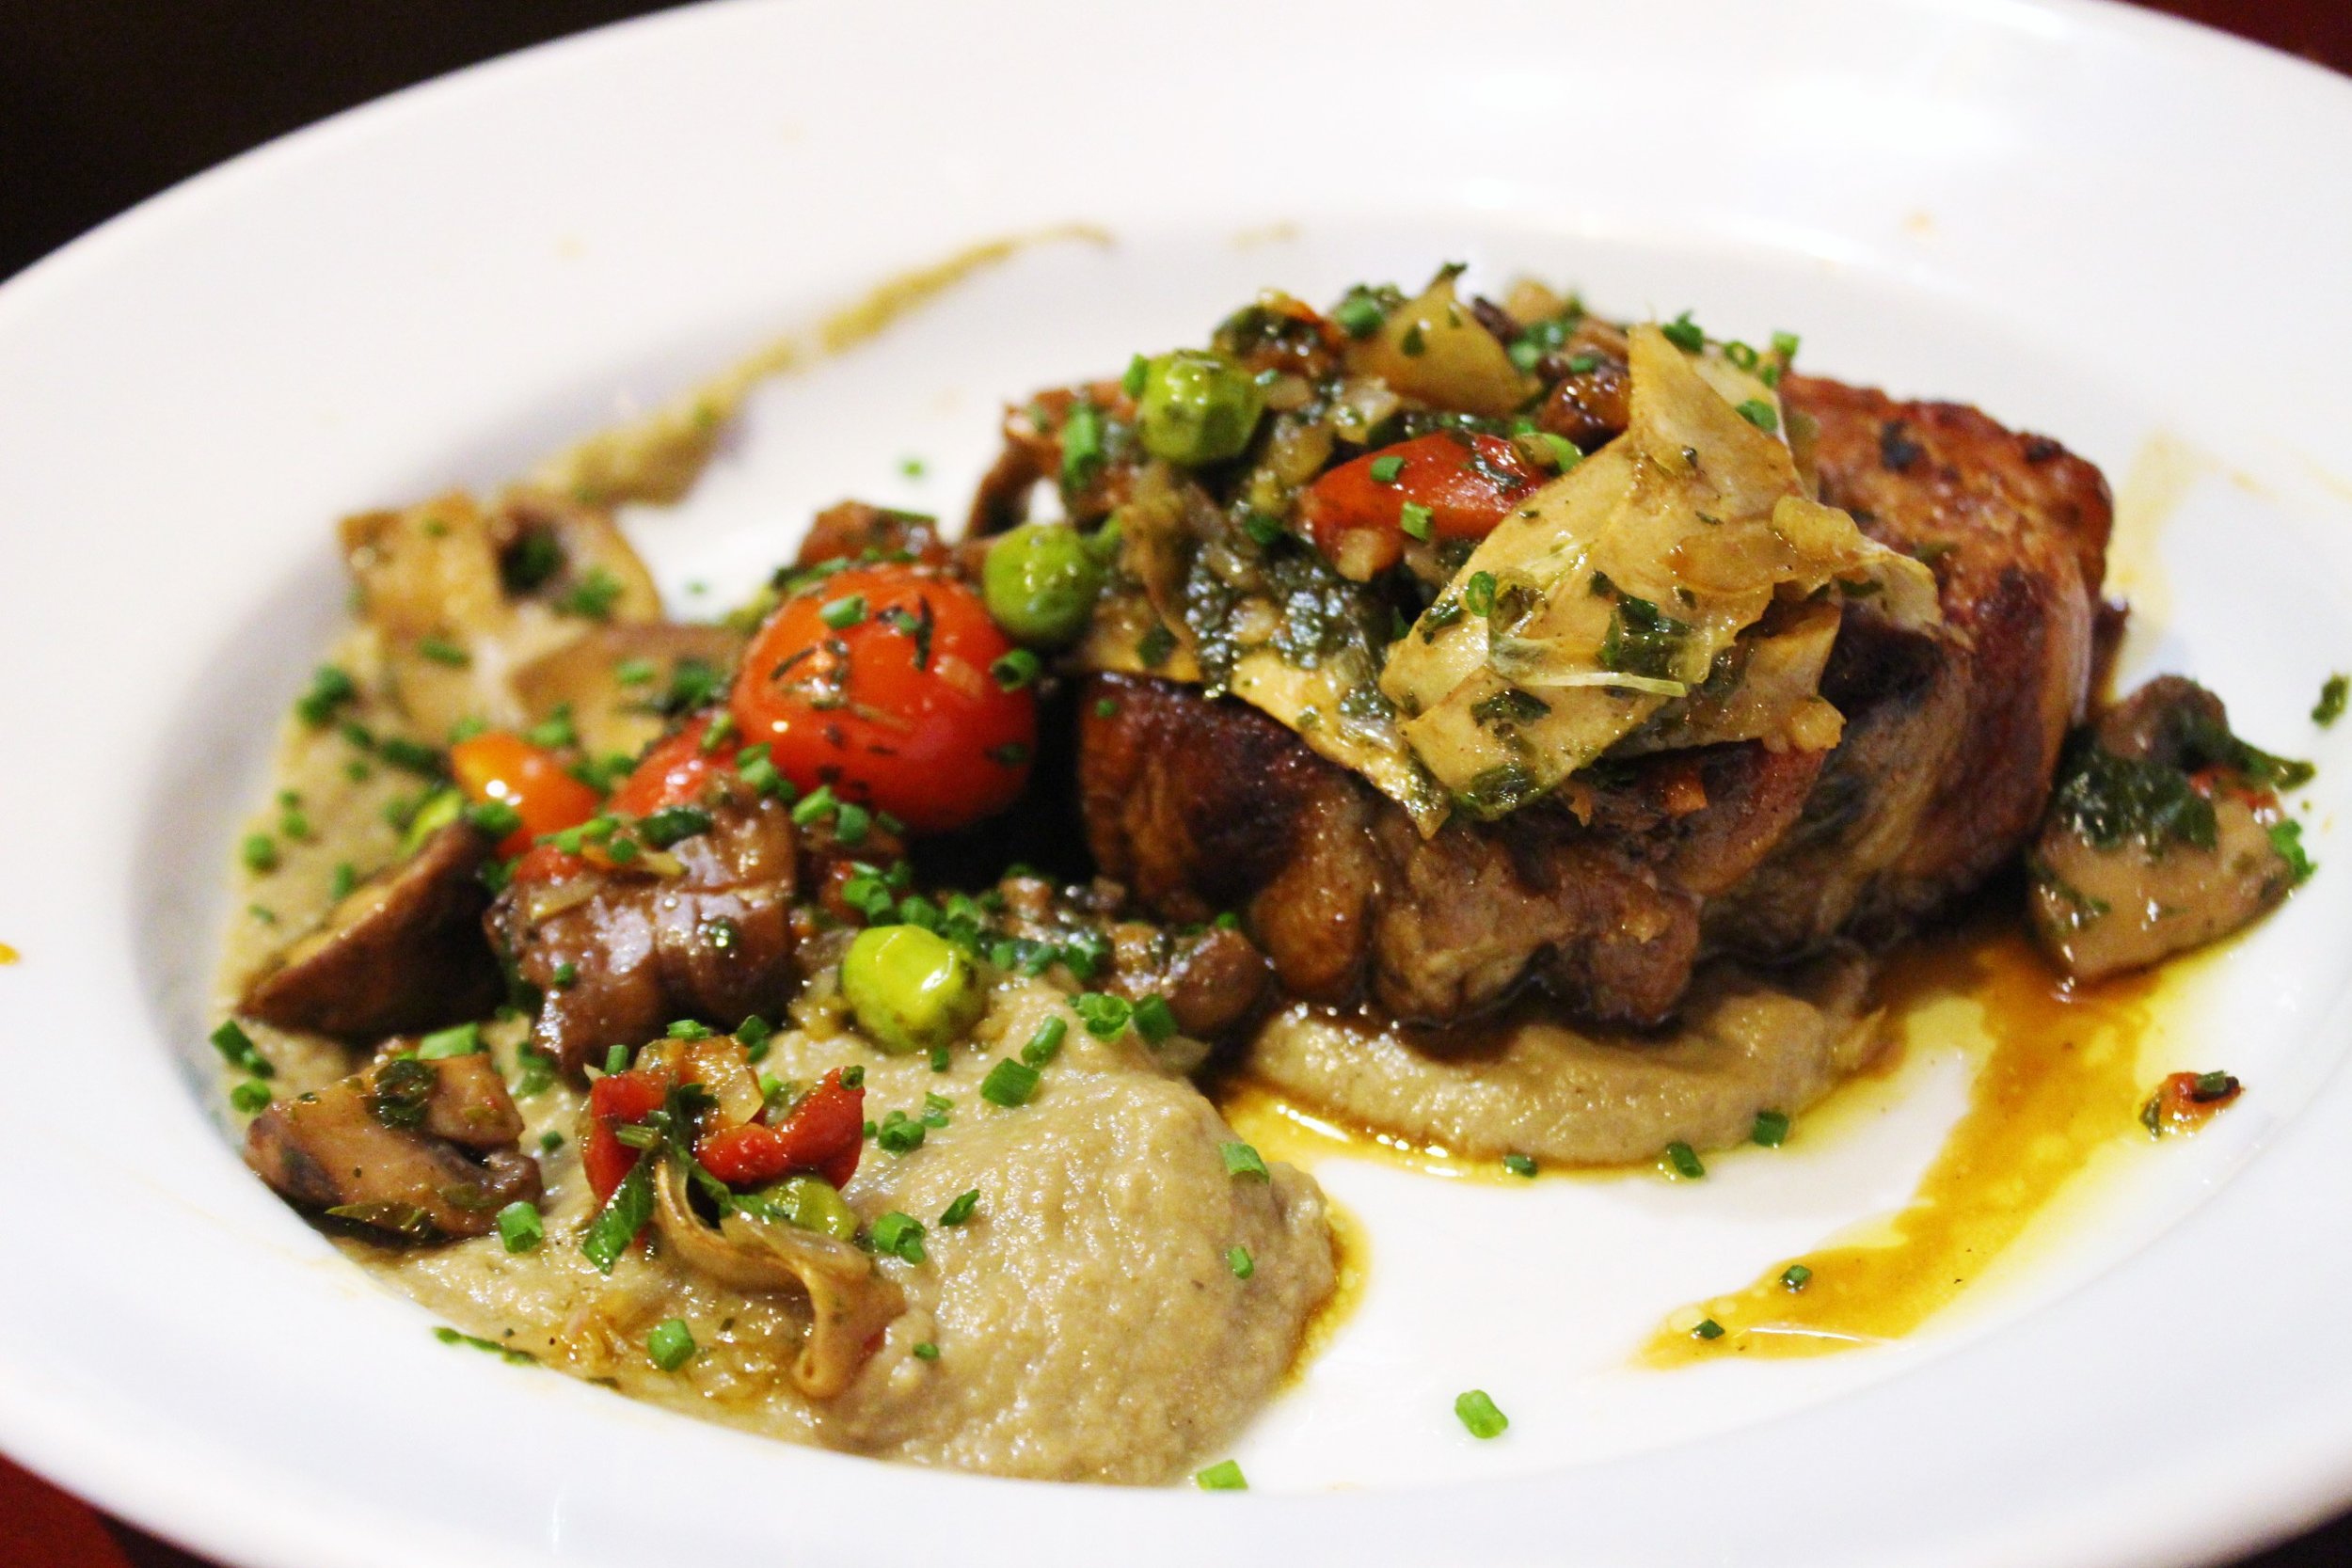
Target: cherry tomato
x=497 y=765
x=1466 y=483
x=876 y=682
x=675 y=772
x=825 y=1133
x=618 y=1100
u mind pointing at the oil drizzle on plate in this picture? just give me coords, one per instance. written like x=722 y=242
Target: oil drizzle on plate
x=1282 y=1129
x=656 y=458
x=2059 y=1082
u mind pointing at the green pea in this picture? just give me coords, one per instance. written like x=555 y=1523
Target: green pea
x=912 y=989
x=1039 y=581
x=1197 y=407
x=811 y=1203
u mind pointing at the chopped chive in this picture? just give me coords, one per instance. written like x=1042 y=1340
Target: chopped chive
x=926 y=1351
x=1414 y=518
x=1770 y=1129
x=1105 y=709
x=1785 y=344
x=671 y=1345
x=463 y=1040
x=1153 y=1020
x=1046 y=1043
x=440 y=650
x=1239 y=1262
x=1104 y=1014
x=1477 y=1412
x=899 y=1235
x=850 y=823
x=236 y=1047
x=1385 y=470
x=519 y=1227
x=961 y=1209
x=815 y=804
x=259 y=852
x=250 y=1096
x=674 y=825
x=1009 y=1084
x=1223 y=1476
x=1685 y=1161
x=1138 y=372
x=1708 y=1329
x=1796 y=1276
x=1242 y=1162
x=1016 y=670
x=1518 y=1164
x=331 y=688
x=1760 y=414
x=898 y=1134
x=843 y=612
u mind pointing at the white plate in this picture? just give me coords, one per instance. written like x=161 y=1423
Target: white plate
x=2091 y=222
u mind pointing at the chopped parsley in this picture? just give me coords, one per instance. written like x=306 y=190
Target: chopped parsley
x=1242 y=1162
x=2332 y=697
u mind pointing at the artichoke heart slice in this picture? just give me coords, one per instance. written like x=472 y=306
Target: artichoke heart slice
x=1613 y=589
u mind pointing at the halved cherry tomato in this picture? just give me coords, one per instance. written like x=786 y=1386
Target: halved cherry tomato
x=621 y=1099
x=1468 y=484
x=675 y=772
x=825 y=1133
x=896 y=707
x=497 y=766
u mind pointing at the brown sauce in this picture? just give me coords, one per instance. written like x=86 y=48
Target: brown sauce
x=1351 y=1267
x=2059 y=1083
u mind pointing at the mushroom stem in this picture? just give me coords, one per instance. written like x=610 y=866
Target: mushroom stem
x=850 y=1303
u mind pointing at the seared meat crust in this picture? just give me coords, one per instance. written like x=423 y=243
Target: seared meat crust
x=1205 y=805
x=1950 y=743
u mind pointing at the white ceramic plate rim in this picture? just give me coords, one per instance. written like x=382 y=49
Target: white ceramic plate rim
x=2251 y=1268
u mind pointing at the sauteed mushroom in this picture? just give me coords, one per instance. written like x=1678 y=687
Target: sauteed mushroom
x=849 y=1302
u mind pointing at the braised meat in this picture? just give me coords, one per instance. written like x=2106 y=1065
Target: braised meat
x=1950 y=740
x=1607 y=894
x=1210 y=805
x=619 y=953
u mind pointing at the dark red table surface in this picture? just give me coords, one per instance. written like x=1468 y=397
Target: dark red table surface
x=105 y=102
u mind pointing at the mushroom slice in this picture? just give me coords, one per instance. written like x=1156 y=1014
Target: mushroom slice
x=405 y=951
x=388 y=1147
x=849 y=1302
x=616 y=716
